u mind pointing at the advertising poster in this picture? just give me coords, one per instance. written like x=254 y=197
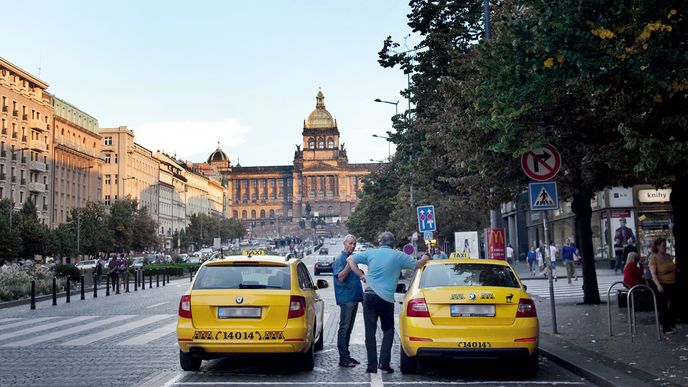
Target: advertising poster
x=466 y=244
x=622 y=226
x=496 y=245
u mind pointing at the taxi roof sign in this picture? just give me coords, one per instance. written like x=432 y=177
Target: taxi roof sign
x=253 y=252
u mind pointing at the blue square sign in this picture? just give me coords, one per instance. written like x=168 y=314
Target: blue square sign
x=543 y=196
x=426 y=218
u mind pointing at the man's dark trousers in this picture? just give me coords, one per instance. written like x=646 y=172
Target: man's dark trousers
x=375 y=307
x=347 y=316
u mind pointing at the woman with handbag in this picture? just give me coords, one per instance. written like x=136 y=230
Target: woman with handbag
x=663 y=272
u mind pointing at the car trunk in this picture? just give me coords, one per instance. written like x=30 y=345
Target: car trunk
x=225 y=309
x=453 y=305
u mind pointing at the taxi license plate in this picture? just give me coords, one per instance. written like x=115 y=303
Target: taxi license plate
x=238 y=312
x=462 y=310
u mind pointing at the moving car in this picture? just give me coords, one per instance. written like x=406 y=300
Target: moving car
x=251 y=304
x=468 y=309
x=137 y=262
x=86 y=264
x=324 y=251
x=323 y=264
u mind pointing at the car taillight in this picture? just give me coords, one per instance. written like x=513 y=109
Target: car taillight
x=526 y=308
x=417 y=308
x=317 y=265
x=185 y=306
x=297 y=306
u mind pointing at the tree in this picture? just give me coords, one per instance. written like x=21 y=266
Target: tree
x=10 y=238
x=62 y=241
x=144 y=236
x=121 y=223
x=94 y=233
x=33 y=233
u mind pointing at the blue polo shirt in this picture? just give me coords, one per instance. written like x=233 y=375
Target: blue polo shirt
x=567 y=252
x=384 y=266
x=350 y=290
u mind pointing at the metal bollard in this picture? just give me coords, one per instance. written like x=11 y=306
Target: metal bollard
x=95 y=287
x=143 y=280
x=107 y=286
x=33 y=294
x=163 y=279
x=127 y=279
x=136 y=280
x=83 y=294
x=68 y=287
x=150 y=281
x=190 y=275
x=157 y=280
x=54 y=291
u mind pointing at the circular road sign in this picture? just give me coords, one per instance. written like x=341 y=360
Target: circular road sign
x=408 y=249
x=541 y=164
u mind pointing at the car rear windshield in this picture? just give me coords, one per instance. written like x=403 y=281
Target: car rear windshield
x=474 y=274
x=243 y=277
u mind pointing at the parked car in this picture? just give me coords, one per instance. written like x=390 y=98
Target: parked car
x=323 y=264
x=324 y=251
x=86 y=264
x=137 y=262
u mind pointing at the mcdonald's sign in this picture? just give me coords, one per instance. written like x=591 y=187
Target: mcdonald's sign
x=496 y=246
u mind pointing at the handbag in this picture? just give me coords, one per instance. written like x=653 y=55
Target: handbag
x=576 y=257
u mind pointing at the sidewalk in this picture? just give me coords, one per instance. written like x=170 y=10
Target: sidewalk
x=583 y=344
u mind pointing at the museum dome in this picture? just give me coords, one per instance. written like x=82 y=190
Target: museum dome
x=320 y=117
x=218 y=156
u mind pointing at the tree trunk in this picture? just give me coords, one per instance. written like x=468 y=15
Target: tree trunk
x=679 y=190
x=581 y=208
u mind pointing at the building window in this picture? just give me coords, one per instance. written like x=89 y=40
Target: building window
x=243 y=214
x=108 y=179
x=330 y=143
x=107 y=200
x=253 y=214
x=262 y=214
x=272 y=214
x=321 y=143
x=311 y=143
x=108 y=140
x=116 y=158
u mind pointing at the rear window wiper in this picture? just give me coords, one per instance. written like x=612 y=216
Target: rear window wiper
x=252 y=286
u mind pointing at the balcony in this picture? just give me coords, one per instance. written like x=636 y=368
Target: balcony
x=24 y=139
x=36 y=187
x=22 y=181
x=38 y=146
x=14 y=135
x=4 y=130
x=39 y=125
x=37 y=166
x=15 y=113
x=3 y=177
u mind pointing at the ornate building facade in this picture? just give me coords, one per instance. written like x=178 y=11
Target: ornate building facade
x=321 y=179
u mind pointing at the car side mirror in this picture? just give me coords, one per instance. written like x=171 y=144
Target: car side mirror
x=401 y=288
x=322 y=284
x=525 y=287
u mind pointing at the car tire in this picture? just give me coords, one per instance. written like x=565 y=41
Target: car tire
x=320 y=344
x=532 y=364
x=188 y=362
x=407 y=364
x=308 y=359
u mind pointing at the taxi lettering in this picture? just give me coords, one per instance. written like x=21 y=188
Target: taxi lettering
x=474 y=344
x=487 y=296
x=234 y=335
x=273 y=335
x=203 y=335
x=457 y=297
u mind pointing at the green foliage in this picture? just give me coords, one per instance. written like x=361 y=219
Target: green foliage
x=67 y=270
x=10 y=238
x=145 y=236
x=15 y=281
x=202 y=229
x=121 y=223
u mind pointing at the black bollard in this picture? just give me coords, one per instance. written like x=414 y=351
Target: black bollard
x=157 y=280
x=136 y=280
x=163 y=279
x=83 y=293
x=33 y=294
x=143 y=279
x=107 y=286
x=150 y=281
x=190 y=275
x=95 y=287
x=117 y=283
x=127 y=279
x=54 y=291
x=69 y=290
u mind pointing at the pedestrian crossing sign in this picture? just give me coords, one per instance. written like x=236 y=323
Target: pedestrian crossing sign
x=543 y=196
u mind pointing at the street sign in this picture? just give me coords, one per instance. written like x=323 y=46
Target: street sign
x=408 y=249
x=426 y=218
x=543 y=196
x=541 y=164
x=427 y=236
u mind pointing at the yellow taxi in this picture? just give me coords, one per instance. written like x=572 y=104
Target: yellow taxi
x=468 y=309
x=250 y=304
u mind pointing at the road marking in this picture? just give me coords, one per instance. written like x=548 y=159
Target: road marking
x=70 y=331
x=4 y=320
x=376 y=379
x=272 y=383
x=150 y=336
x=45 y=327
x=319 y=369
x=24 y=322
x=104 y=334
x=489 y=382
x=173 y=380
x=154 y=305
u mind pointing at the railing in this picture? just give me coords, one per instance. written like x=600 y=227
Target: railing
x=14 y=135
x=25 y=116
x=4 y=109
x=37 y=166
x=39 y=125
x=630 y=302
x=37 y=187
x=4 y=130
x=15 y=113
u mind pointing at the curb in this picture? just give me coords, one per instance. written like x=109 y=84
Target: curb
x=592 y=366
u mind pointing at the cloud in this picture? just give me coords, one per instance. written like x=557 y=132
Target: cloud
x=188 y=139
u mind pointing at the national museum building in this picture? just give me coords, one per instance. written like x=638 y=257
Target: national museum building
x=320 y=178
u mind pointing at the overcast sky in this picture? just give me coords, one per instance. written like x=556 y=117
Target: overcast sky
x=185 y=75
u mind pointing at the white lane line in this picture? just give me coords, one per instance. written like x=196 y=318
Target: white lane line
x=100 y=324
x=154 y=305
x=372 y=383
x=376 y=379
x=492 y=382
x=318 y=369
x=26 y=322
x=173 y=381
x=272 y=383
x=150 y=336
x=45 y=327
x=8 y=319
x=104 y=334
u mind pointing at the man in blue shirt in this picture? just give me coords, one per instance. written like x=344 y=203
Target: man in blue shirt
x=439 y=254
x=567 y=252
x=348 y=293
x=384 y=266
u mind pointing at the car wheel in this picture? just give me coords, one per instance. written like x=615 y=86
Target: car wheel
x=532 y=364
x=320 y=344
x=189 y=362
x=308 y=359
x=408 y=364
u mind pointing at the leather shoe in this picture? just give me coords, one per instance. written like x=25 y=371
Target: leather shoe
x=386 y=368
x=351 y=359
x=371 y=370
x=347 y=363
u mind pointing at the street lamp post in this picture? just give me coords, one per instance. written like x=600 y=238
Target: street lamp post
x=389 y=145
x=396 y=105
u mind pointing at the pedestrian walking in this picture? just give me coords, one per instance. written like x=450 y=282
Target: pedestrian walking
x=348 y=292
x=122 y=268
x=553 y=259
x=540 y=256
x=439 y=254
x=99 y=270
x=531 y=259
x=509 y=254
x=664 y=283
x=618 y=255
x=112 y=272
x=384 y=266
x=568 y=251
x=629 y=248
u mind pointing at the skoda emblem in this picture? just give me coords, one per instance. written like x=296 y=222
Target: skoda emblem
x=472 y=296
x=240 y=299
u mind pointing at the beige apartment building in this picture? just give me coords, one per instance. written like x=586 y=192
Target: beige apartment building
x=172 y=201
x=26 y=115
x=76 y=177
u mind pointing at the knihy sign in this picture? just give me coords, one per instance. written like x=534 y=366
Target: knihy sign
x=543 y=196
x=541 y=164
